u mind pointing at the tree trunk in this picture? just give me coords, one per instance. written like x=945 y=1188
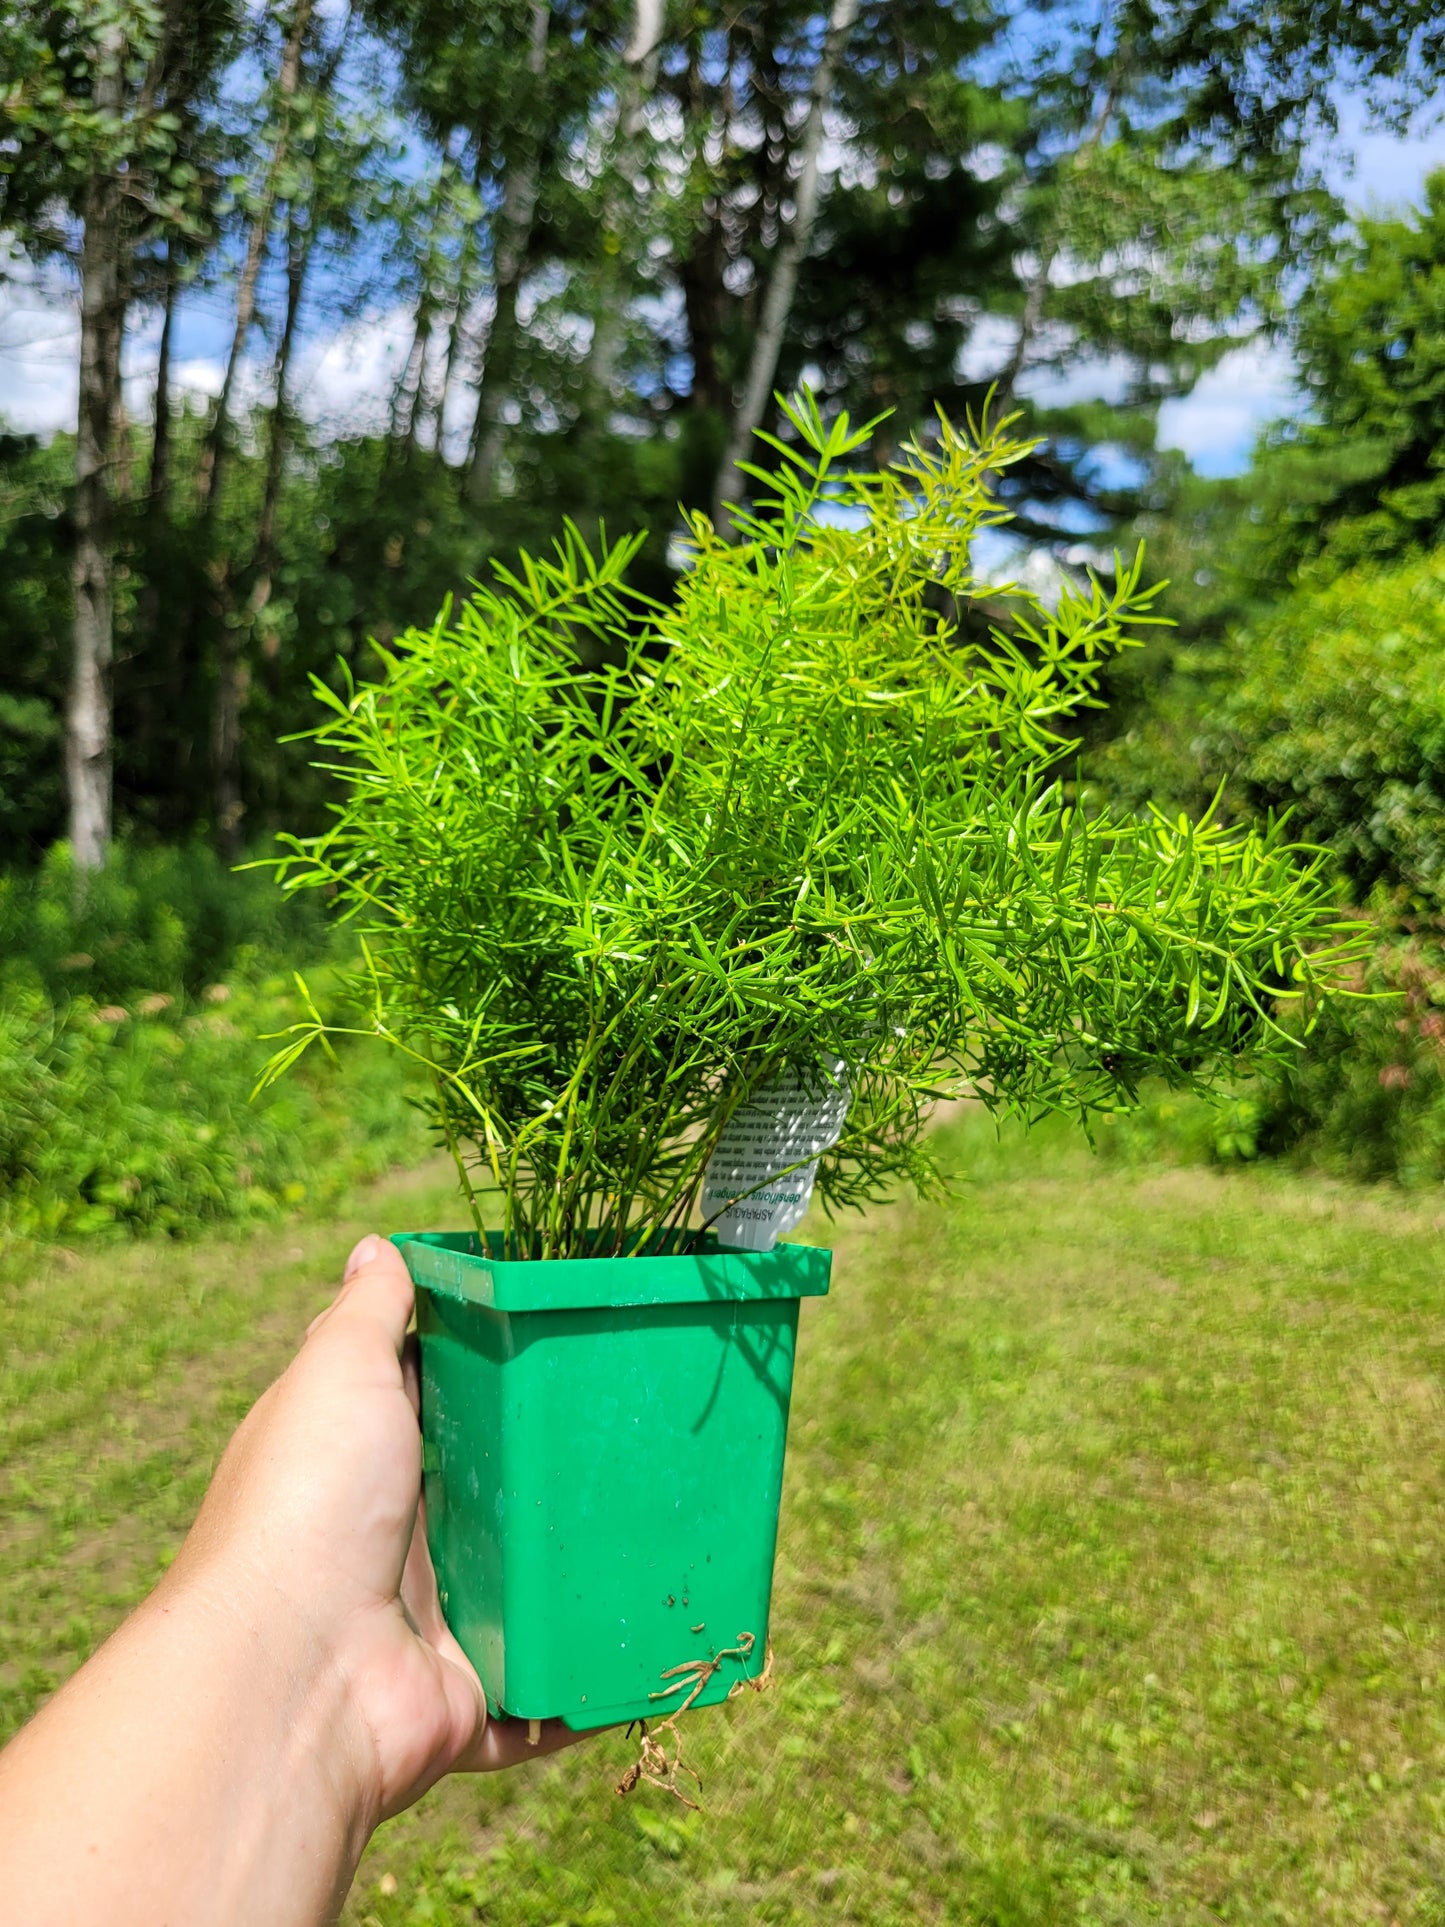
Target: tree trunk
x=519 y=203
x=409 y=397
x=1036 y=292
x=156 y=694
x=158 y=488
x=239 y=621
x=783 y=281
x=639 y=64
x=233 y=685
x=263 y=561
x=456 y=326
x=214 y=452
x=704 y=298
x=300 y=238
x=88 y=751
x=229 y=625
x=701 y=269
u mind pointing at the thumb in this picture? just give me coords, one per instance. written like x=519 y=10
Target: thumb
x=376 y=1291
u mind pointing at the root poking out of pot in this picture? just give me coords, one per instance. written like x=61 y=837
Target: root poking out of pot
x=659 y=1767
x=654 y=1763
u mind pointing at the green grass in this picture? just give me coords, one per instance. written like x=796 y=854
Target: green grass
x=1108 y=1590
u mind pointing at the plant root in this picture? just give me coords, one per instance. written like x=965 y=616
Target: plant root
x=654 y=1763
x=694 y=1674
x=760 y=1683
x=659 y=1767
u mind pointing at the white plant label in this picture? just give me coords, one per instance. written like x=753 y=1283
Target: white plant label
x=767 y=1157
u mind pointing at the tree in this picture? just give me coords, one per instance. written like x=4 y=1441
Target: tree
x=231 y=669
x=622 y=179
x=1357 y=480
x=1337 y=712
x=512 y=245
x=782 y=281
x=99 y=121
x=615 y=231
x=505 y=86
x=1360 y=478
x=311 y=188
x=769 y=130
x=1259 y=82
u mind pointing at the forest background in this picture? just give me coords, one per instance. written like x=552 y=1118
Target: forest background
x=600 y=240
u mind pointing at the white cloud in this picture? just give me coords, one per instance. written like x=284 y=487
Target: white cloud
x=202 y=376
x=39 y=349
x=345 y=378
x=1374 y=169
x=1217 y=422
x=1097 y=378
x=989 y=345
x=345 y=383
x=40 y=352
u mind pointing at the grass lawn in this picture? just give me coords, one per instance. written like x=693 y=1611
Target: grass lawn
x=1110 y=1582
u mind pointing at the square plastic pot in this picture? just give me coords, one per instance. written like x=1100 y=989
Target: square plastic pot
x=603 y=1448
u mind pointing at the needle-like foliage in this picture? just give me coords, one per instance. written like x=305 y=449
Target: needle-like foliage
x=811 y=811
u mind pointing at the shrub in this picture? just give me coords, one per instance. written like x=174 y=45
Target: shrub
x=808 y=816
x=1339 y=715
x=1331 y=707
x=130 y=1014
x=139 y=1119
x=163 y=919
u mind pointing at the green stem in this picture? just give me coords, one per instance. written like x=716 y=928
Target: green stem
x=455 y=1149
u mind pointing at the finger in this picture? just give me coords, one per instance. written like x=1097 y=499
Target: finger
x=361 y=1253
x=504 y=1743
x=496 y=1743
x=377 y=1290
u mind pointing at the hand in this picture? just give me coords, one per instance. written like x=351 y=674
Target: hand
x=315 y=1514
x=225 y=1755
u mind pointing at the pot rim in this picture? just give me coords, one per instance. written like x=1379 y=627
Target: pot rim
x=455 y=1264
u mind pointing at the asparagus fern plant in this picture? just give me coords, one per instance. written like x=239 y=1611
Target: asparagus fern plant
x=616 y=865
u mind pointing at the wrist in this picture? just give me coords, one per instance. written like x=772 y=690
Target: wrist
x=211 y=1758
x=276 y=1676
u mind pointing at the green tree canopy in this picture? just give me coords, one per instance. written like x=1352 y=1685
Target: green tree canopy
x=1363 y=476
x=1338 y=714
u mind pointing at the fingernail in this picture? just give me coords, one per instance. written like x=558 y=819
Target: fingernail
x=369 y=1248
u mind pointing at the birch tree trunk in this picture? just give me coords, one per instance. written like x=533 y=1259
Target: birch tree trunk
x=783 y=281
x=519 y=204
x=639 y=63
x=409 y=397
x=88 y=748
x=456 y=324
x=159 y=694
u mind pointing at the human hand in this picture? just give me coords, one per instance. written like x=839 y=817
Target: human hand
x=225 y=1755
x=314 y=1520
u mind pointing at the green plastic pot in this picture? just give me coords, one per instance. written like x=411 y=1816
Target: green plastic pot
x=603 y=1451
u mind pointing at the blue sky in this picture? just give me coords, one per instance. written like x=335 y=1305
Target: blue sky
x=1217 y=424
x=351 y=364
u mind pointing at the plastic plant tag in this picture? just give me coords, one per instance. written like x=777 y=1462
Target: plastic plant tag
x=759 y=1178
